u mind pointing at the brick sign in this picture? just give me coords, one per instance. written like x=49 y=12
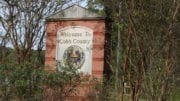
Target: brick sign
x=76 y=37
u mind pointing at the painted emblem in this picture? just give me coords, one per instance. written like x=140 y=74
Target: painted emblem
x=74 y=56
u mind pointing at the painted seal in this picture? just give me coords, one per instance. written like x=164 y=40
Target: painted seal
x=74 y=56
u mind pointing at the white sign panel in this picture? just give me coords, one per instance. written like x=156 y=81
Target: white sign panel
x=74 y=47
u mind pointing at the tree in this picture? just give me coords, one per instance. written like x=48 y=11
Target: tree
x=142 y=41
x=23 y=22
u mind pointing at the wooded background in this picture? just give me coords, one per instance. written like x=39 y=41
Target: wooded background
x=141 y=50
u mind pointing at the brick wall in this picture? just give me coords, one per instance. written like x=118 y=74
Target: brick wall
x=98 y=28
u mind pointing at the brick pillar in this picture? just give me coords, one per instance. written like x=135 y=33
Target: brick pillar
x=98 y=27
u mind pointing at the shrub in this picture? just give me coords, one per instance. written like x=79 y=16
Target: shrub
x=26 y=82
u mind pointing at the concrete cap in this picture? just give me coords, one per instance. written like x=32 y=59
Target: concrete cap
x=74 y=12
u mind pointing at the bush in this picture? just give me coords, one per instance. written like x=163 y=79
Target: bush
x=25 y=82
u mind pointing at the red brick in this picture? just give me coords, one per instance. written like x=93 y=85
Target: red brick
x=98 y=53
x=98 y=27
x=50 y=65
x=98 y=39
x=98 y=74
x=51 y=28
x=51 y=40
x=98 y=66
x=50 y=52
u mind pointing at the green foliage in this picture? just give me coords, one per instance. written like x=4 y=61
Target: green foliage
x=142 y=44
x=107 y=90
x=26 y=83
